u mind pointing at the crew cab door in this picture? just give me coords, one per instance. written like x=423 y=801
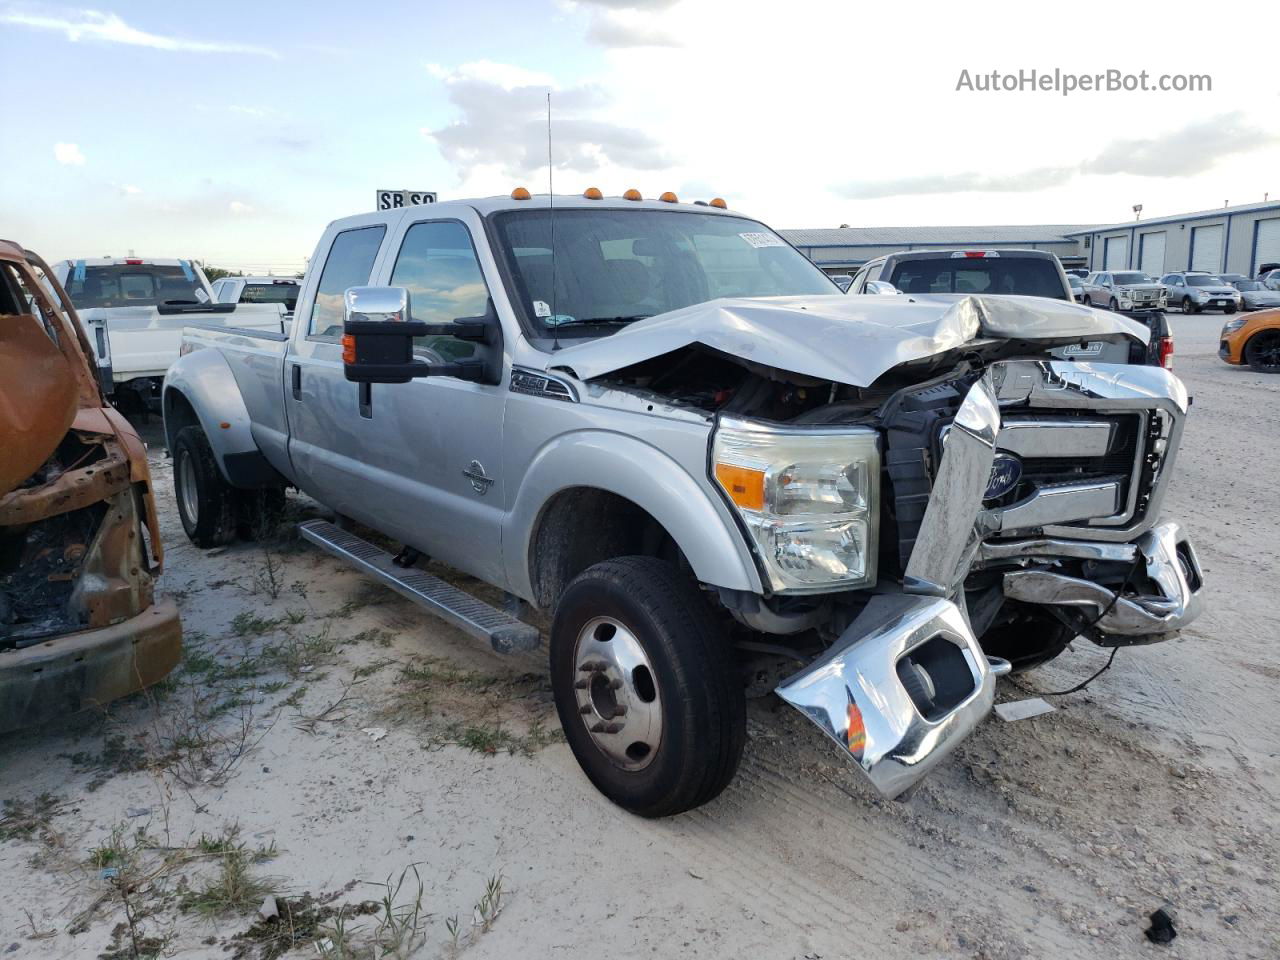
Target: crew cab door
x=437 y=441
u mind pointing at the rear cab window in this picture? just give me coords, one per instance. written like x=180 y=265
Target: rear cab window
x=277 y=291
x=349 y=264
x=1016 y=276
x=134 y=285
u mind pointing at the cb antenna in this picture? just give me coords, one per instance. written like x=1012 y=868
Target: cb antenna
x=551 y=199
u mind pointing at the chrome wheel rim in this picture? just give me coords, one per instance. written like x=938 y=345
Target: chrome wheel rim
x=616 y=692
x=187 y=491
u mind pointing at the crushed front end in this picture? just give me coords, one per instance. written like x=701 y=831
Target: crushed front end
x=1024 y=496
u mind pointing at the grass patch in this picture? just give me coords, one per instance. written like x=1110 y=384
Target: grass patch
x=233 y=888
x=28 y=819
x=302 y=923
x=249 y=624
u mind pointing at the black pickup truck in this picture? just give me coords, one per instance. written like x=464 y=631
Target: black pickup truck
x=1027 y=273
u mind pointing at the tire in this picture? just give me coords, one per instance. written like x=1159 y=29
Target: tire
x=1188 y=307
x=637 y=630
x=1026 y=636
x=1262 y=352
x=201 y=490
x=1086 y=301
x=1112 y=305
x=1230 y=308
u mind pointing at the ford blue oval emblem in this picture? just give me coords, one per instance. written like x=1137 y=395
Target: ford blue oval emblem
x=1006 y=471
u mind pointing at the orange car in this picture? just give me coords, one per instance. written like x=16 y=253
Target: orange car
x=1253 y=339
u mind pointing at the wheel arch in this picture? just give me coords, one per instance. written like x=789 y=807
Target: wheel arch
x=593 y=496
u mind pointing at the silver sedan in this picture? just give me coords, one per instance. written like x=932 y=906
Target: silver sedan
x=1255 y=295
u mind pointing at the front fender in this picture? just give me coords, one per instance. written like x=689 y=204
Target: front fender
x=204 y=380
x=701 y=525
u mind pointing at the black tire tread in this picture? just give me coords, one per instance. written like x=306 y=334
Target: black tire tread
x=1250 y=352
x=216 y=524
x=677 y=608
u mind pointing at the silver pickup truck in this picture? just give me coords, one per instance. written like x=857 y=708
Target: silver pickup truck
x=663 y=424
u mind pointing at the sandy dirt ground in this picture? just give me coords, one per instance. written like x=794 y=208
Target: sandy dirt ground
x=325 y=739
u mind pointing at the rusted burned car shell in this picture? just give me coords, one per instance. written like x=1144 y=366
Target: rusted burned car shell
x=79 y=538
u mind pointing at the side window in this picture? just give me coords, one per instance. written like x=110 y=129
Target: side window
x=349 y=264
x=437 y=264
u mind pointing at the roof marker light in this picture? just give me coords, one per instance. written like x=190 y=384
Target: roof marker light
x=632 y=194
x=669 y=197
x=973 y=254
x=519 y=193
x=593 y=193
x=719 y=202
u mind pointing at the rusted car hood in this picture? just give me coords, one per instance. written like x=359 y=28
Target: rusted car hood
x=845 y=339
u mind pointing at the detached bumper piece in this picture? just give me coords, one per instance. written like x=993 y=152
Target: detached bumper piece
x=88 y=669
x=1168 y=576
x=900 y=688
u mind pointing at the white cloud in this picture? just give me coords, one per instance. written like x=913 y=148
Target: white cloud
x=68 y=154
x=110 y=28
x=505 y=75
x=240 y=208
x=503 y=125
x=628 y=28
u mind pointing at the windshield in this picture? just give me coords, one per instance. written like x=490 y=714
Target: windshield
x=279 y=291
x=1249 y=285
x=1075 y=281
x=1203 y=281
x=1029 y=276
x=616 y=266
x=129 y=285
x=1125 y=279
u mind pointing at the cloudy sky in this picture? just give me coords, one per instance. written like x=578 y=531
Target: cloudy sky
x=233 y=132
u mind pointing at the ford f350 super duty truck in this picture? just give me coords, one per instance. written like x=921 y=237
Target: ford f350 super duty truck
x=662 y=423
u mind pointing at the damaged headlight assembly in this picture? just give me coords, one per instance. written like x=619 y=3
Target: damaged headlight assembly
x=808 y=497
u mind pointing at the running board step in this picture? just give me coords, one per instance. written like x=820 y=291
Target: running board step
x=456 y=607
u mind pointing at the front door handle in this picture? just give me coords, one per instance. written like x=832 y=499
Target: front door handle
x=296 y=377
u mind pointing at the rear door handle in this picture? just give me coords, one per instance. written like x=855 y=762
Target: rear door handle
x=297 y=381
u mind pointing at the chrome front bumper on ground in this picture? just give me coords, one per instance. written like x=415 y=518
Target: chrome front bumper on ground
x=908 y=679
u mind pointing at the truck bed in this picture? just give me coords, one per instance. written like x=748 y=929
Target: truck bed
x=142 y=342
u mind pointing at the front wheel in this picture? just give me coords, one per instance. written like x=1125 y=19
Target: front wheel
x=646 y=687
x=1112 y=305
x=1188 y=306
x=1229 y=308
x=1262 y=352
x=1026 y=636
x=1087 y=302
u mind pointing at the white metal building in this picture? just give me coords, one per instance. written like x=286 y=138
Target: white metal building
x=844 y=249
x=1235 y=239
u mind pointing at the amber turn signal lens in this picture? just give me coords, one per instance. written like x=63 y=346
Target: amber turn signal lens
x=632 y=194
x=669 y=197
x=718 y=202
x=348 y=348
x=593 y=193
x=519 y=193
x=744 y=485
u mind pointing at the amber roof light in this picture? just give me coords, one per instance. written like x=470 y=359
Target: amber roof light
x=669 y=197
x=632 y=194
x=519 y=193
x=593 y=193
x=718 y=202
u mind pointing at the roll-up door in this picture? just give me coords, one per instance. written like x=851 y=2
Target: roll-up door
x=1206 y=248
x=1116 y=253
x=1151 y=253
x=1266 y=244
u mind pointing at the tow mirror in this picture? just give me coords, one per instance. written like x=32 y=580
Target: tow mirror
x=378 y=331
x=881 y=288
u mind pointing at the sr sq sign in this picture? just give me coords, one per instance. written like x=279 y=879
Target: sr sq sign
x=394 y=199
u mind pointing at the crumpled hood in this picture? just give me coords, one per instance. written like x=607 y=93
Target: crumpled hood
x=845 y=339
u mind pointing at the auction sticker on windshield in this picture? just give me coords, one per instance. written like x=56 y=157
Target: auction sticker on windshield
x=763 y=239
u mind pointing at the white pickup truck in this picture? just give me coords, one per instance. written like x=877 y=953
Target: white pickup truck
x=133 y=310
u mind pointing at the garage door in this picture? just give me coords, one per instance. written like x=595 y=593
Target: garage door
x=1151 y=254
x=1266 y=244
x=1206 y=248
x=1116 y=253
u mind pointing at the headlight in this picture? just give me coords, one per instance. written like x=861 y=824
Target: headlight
x=1231 y=326
x=1201 y=295
x=810 y=500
